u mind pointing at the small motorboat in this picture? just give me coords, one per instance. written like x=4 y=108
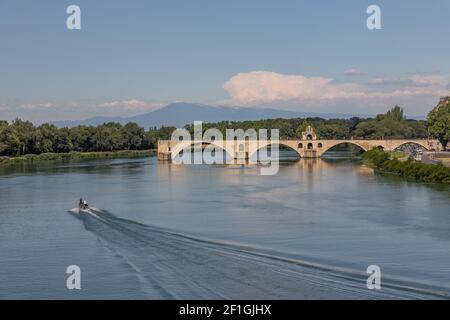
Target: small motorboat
x=84 y=209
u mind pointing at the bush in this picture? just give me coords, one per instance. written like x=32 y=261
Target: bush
x=375 y=157
x=74 y=155
x=409 y=169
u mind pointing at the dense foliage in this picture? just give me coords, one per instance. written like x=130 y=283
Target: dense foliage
x=392 y=125
x=22 y=137
x=74 y=155
x=409 y=169
x=439 y=122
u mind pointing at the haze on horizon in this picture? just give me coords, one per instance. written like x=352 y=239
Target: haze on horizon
x=306 y=56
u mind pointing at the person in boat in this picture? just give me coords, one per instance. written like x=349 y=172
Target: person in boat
x=82 y=204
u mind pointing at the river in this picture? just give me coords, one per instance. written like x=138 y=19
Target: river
x=206 y=232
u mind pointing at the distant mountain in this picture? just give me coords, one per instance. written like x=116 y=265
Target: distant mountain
x=180 y=114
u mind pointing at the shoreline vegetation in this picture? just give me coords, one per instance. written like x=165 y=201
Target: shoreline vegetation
x=23 y=139
x=22 y=142
x=19 y=137
x=391 y=164
x=75 y=155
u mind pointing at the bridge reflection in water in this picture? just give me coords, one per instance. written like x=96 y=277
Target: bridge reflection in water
x=287 y=158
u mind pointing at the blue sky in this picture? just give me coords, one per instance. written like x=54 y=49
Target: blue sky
x=134 y=56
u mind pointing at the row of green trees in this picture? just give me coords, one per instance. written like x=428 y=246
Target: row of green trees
x=409 y=169
x=22 y=137
x=391 y=125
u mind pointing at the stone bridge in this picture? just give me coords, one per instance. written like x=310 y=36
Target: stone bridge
x=309 y=146
x=244 y=149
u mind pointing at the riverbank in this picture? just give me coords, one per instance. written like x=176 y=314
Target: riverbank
x=387 y=163
x=443 y=157
x=32 y=158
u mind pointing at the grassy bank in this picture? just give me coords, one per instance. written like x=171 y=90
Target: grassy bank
x=443 y=157
x=386 y=163
x=31 y=158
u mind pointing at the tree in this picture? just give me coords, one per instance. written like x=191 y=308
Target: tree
x=395 y=114
x=332 y=131
x=10 y=142
x=439 y=122
x=151 y=139
x=24 y=131
x=391 y=125
x=3 y=145
x=62 y=142
x=81 y=137
x=3 y=124
x=45 y=138
x=301 y=128
x=165 y=133
x=133 y=136
x=367 y=130
x=108 y=137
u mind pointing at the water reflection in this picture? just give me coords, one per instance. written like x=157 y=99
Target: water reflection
x=331 y=211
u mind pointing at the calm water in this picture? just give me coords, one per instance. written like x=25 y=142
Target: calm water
x=167 y=231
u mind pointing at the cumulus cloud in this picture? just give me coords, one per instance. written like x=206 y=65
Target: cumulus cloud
x=261 y=87
x=264 y=88
x=352 y=72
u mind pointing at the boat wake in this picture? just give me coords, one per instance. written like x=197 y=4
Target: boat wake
x=173 y=265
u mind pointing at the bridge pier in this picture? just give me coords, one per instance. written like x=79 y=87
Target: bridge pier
x=164 y=156
x=310 y=154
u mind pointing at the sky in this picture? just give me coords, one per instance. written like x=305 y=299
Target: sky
x=135 y=56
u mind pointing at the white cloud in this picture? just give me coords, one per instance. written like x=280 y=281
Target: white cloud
x=413 y=80
x=34 y=106
x=74 y=110
x=130 y=105
x=352 y=72
x=260 y=87
x=291 y=91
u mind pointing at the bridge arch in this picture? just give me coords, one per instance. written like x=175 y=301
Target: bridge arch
x=328 y=146
x=422 y=144
x=188 y=144
x=292 y=147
